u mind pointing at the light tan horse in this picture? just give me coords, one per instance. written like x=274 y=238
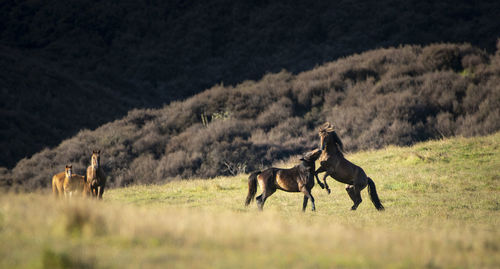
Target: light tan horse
x=332 y=162
x=95 y=178
x=66 y=183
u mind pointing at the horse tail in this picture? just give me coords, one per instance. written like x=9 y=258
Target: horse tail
x=373 y=195
x=252 y=187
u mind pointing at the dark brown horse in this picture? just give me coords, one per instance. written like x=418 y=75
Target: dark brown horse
x=95 y=177
x=332 y=162
x=297 y=179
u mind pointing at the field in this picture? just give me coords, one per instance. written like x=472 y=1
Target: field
x=442 y=211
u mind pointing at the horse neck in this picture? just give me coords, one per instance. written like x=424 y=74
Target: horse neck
x=333 y=149
x=305 y=165
x=95 y=168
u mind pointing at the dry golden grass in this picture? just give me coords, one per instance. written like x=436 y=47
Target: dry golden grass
x=442 y=211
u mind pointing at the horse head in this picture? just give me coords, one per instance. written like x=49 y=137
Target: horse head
x=311 y=156
x=324 y=132
x=327 y=135
x=96 y=158
x=68 y=171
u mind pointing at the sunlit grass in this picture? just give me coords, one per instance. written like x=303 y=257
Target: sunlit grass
x=442 y=211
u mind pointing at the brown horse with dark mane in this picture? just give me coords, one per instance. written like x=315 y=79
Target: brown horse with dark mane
x=297 y=179
x=95 y=177
x=332 y=162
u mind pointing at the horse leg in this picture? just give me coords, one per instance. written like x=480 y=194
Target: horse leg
x=326 y=185
x=355 y=196
x=263 y=197
x=259 y=199
x=307 y=195
x=359 y=184
x=354 y=192
x=267 y=188
x=320 y=170
x=60 y=193
x=101 y=191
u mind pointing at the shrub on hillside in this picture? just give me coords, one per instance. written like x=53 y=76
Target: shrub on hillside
x=389 y=96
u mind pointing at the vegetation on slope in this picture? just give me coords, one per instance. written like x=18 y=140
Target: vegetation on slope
x=387 y=96
x=442 y=211
x=68 y=66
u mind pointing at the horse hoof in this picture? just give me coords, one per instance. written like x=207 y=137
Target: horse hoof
x=328 y=191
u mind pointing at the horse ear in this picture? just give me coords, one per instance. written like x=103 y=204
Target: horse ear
x=99 y=152
x=70 y=166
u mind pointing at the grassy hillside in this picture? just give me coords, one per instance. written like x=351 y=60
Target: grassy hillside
x=387 y=96
x=65 y=67
x=442 y=211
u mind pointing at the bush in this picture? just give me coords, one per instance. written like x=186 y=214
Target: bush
x=108 y=58
x=389 y=96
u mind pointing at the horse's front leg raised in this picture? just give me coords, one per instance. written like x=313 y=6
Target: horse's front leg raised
x=320 y=170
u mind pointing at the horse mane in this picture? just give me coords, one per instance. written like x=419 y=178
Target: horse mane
x=337 y=141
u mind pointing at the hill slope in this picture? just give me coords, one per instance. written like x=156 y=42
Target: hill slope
x=68 y=66
x=442 y=211
x=387 y=96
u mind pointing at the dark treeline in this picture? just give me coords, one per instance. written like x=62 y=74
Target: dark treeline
x=387 y=96
x=69 y=65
